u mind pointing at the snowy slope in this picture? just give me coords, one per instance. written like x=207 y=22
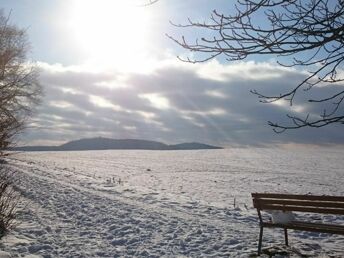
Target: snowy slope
x=175 y=203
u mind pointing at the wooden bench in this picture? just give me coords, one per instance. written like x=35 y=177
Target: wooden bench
x=298 y=203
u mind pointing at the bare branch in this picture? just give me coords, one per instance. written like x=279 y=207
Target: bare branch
x=300 y=33
x=19 y=87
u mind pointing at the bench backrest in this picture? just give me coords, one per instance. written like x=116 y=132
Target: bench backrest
x=302 y=203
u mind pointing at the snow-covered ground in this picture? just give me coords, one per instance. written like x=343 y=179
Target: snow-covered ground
x=166 y=203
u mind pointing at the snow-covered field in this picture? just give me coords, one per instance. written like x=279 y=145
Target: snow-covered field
x=166 y=203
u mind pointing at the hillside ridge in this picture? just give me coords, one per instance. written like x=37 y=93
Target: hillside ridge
x=101 y=143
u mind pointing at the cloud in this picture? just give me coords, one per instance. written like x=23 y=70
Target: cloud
x=177 y=102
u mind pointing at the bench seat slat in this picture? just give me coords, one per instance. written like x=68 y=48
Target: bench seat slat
x=310 y=203
x=337 y=211
x=318 y=224
x=307 y=226
x=299 y=197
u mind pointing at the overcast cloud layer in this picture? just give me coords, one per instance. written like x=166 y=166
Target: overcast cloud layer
x=178 y=102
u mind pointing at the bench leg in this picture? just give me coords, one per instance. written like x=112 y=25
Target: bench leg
x=260 y=241
x=286 y=237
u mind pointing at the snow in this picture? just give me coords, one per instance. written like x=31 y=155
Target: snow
x=166 y=203
x=282 y=217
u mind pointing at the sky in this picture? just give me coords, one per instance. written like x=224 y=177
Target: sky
x=109 y=70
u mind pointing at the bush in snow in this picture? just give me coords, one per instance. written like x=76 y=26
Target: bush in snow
x=9 y=200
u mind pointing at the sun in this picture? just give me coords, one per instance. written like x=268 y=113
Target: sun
x=111 y=32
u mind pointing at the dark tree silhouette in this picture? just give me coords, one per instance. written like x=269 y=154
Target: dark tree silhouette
x=300 y=33
x=19 y=87
x=19 y=92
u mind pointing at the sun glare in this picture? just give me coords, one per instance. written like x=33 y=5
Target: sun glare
x=111 y=32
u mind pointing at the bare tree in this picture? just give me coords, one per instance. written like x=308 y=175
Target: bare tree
x=19 y=92
x=19 y=87
x=300 y=33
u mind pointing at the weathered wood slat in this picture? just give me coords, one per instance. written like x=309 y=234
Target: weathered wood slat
x=299 y=197
x=321 y=228
x=318 y=225
x=337 y=211
x=308 y=203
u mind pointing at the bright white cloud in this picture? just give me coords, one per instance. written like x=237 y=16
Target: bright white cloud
x=129 y=128
x=60 y=104
x=216 y=94
x=156 y=100
x=103 y=103
x=214 y=70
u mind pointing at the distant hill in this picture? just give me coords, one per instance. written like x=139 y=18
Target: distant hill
x=192 y=146
x=114 y=144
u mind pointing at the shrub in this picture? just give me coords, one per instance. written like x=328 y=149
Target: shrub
x=9 y=200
